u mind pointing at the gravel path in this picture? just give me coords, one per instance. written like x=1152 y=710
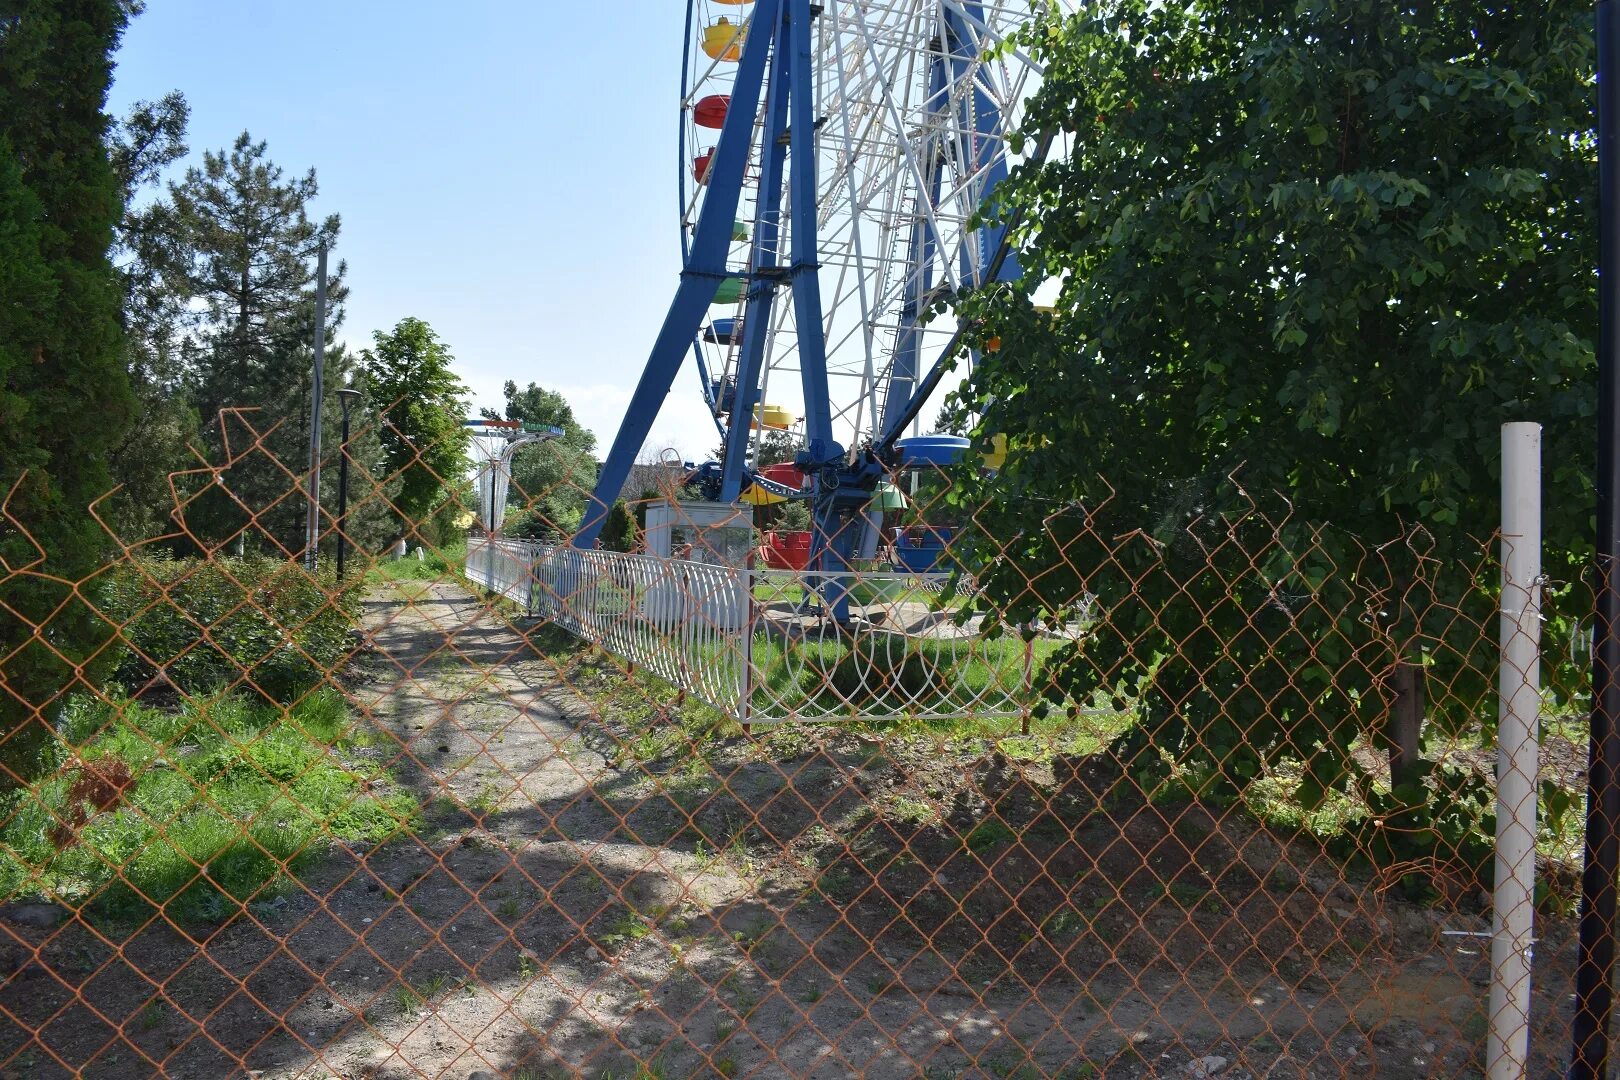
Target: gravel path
x=556 y=914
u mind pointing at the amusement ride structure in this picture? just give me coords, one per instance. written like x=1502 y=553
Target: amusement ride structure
x=839 y=152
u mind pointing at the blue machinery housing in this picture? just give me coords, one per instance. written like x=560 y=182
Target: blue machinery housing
x=776 y=65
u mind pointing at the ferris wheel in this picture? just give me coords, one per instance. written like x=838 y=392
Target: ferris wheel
x=834 y=159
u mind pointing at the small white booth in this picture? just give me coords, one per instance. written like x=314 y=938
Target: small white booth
x=706 y=546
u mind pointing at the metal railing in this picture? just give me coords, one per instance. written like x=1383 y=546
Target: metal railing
x=754 y=644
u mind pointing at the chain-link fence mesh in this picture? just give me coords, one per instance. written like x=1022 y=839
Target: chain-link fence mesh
x=1127 y=798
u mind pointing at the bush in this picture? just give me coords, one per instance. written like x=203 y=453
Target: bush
x=262 y=625
x=619 y=531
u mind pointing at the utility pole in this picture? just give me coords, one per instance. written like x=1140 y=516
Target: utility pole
x=312 y=520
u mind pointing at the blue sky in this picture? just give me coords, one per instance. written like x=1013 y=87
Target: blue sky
x=504 y=170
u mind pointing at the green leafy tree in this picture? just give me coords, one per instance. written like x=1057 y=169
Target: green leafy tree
x=1322 y=250
x=238 y=247
x=421 y=404
x=552 y=480
x=64 y=396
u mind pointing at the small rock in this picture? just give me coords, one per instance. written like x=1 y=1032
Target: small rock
x=43 y=916
x=1206 y=1066
x=482 y=1074
x=1343 y=914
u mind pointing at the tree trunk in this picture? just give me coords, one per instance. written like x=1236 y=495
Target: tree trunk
x=1406 y=723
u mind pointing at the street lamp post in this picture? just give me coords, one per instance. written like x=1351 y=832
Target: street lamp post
x=347 y=396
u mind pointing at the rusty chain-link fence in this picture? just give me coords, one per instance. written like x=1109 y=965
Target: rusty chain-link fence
x=1123 y=799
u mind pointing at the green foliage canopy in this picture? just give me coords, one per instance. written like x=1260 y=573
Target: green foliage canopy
x=1321 y=249
x=552 y=480
x=421 y=403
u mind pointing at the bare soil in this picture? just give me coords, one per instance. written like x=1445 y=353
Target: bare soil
x=815 y=904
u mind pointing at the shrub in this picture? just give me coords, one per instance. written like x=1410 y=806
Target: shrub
x=263 y=625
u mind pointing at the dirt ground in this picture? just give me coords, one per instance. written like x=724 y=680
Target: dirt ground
x=824 y=905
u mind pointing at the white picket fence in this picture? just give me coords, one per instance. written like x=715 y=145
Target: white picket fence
x=751 y=642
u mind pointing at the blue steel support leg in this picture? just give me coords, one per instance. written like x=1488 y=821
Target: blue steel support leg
x=705 y=269
x=763 y=284
x=829 y=546
x=812 y=344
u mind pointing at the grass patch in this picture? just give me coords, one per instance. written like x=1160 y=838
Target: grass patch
x=989 y=835
x=441 y=565
x=200 y=810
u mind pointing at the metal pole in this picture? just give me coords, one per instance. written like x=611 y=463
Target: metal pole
x=489 y=533
x=1594 y=970
x=312 y=521
x=1519 y=711
x=345 y=396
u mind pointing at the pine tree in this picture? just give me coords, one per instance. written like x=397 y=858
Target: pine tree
x=64 y=396
x=241 y=248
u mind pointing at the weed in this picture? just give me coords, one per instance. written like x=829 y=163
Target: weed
x=911 y=811
x=1063 y=924
x=626 y=928
x=1185 y=894
x=152 y=1015
x=434 y=985
x=1083 y=1071
x=484 y=803
x=989 y=835
x=406 y=1000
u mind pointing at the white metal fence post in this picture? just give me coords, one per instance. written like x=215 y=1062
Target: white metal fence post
x=1519 y=682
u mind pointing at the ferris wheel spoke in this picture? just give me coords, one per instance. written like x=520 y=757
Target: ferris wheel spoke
x=907 y=113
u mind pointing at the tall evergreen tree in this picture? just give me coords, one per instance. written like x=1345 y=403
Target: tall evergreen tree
x=420 y=404
x=242 y=250
x=64 y=397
